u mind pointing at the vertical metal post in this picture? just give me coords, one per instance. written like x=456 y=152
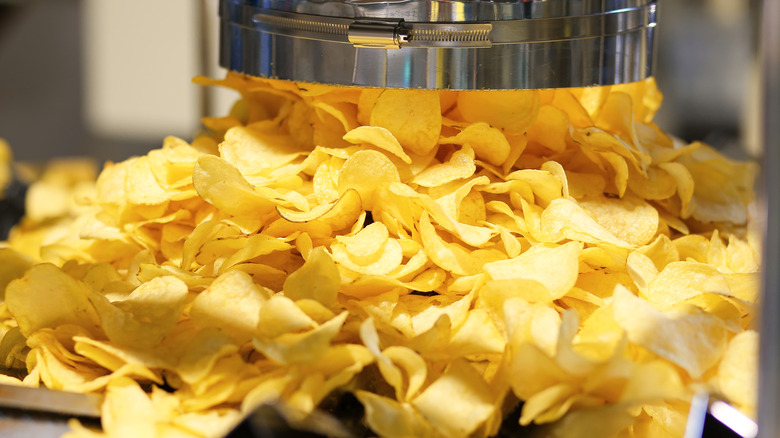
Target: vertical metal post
x=769 y=364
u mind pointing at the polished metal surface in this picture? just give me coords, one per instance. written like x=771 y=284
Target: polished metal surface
x=443 y=45
x=769 y=343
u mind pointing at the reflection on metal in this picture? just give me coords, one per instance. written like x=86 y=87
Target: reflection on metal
x=734 y=419
x=456 y=45
x=710 y=417
x=769 y=363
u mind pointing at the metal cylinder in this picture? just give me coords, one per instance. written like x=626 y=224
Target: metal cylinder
x=458 y=45
x=769 y=364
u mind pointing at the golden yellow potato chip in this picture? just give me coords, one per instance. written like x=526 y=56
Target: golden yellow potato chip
x=488 y=143
x=223 y=186
x=550 y=128
x=14 y=266
x=460 y=165
x=317 y=279
x=538 y=264
x=393 y=419
x=737 y=372
x=46 y=297
x=365 y=104
x=564 y=100
x=679 y=281
x=232 y=302
x=145 y=316
x=696 y=352
x=629 y=218
x=303 y=347
x=477 y=335
x=566 y=219
x=450 y=256
x=412 y=116
x=379 y=137
x=511 y=110
x=467 y=397
x=251 y=151
x=364 y=172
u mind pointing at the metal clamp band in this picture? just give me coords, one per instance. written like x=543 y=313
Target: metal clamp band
x=528 y=44
x=396 y=33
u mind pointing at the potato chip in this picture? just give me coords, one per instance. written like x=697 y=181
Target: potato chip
x=535 y=264
x=737 y=375
x=629 y=218
x=222 y=185
x=364 y=171
x=511 y=110
x=679 y=281
x=67 y=301
x=550 y=128
x=252 y=150
x=317 y=279
x=379 y=137
x=145 y=316
x=566 y=219
x=232 y=302
x=488 y=143
x=460 y=165
x=412 y=116
x=467 y=396
x=696 y=352
x=392 y=419
x=296 y=348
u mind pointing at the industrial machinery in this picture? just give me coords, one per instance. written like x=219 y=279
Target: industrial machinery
x=492 y=45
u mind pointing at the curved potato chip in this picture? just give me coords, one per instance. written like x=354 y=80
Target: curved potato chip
x=550 y=128
x=379 y=137
x=232 y=302
x=488 y=143
x=685 y=185
x=511 y=110
x=301 y=348
x=564 y=218
x=412 y=116
x=366 y=102
x=390 y=257
x=555 y=267
x=629 y=218
x=468 y=399
x=689 y=338
x=737 y=376
x=317 y=279
x=367 y=243
x=46 y=297
x=223 y=186
x=14 y=266
x=364 y=171
x=460 y=165
x=145 y=316
x=142 y=187
x=679 y=281
x=280 y=315
x=392 y=419
x=449 y=256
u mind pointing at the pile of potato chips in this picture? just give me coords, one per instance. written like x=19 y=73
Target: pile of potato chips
x=450 y=258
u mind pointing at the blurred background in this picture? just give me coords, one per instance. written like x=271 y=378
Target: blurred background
x=110 y=79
